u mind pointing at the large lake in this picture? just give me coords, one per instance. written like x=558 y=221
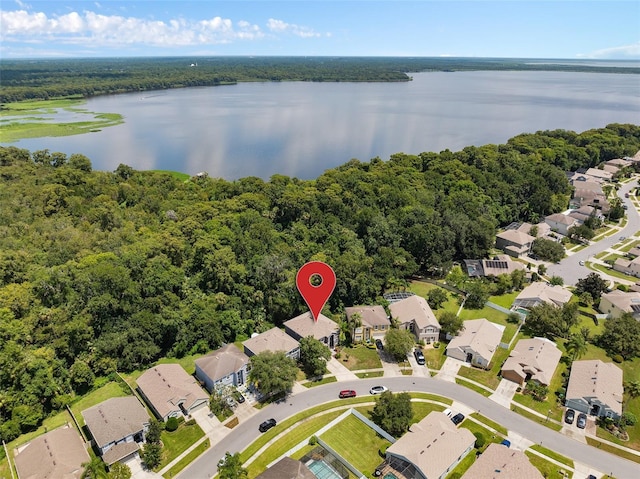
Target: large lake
x=302 y=129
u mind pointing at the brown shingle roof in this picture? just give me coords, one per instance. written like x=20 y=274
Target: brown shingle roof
x=536 y=356
x=304 y=325
x=500 y=462
x=287 y=468
x=274 y=339
x=222 y=362
x=58 y=454
x=115 y=419
x=167 y=385
x=480 y=335
x=433 y=444
x=370 y=315
x=516 y=236
x=414 y=308
x=596 y=379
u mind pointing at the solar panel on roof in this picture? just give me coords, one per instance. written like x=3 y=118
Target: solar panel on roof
x=635 y=308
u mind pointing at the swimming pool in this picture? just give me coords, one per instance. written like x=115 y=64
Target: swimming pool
x=390 y=475
x=322 y=470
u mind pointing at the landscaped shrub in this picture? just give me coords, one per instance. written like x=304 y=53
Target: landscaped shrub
x=480 y=440
x=617 y=358
x=190 y=422
x=172 y=424
x=383 y=450
x=313 y=440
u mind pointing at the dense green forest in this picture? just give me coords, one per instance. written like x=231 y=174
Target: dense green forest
x=112 y=270
x=45 y=79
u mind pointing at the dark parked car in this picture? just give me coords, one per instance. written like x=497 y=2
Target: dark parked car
x=569 y=416
x=457 y=419
x=379 y=344
x=268 y=424
x=347 y=393
x=419 y=356
x=239 y=397
x=582 y=420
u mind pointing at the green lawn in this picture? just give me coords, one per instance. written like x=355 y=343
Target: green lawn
x=176 y=174
x=612 y=450
x=188 y=459
x=434 y=357
x=501 y=429
x=548 y=469
x=533 y=417
x=370 y=374
x=178 y=441
x=553 y=455
x=422 y=289
x=421 y=409
x=487 y=377
x=324 y=380
x=629 y=245
x=361 y=453
x=472 y=386
x=360 y=357
x=505 y=300
x=305 y=429
x=612 y=272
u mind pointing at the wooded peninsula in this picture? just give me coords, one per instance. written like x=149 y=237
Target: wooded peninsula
x=56 y=78
x=105 y=271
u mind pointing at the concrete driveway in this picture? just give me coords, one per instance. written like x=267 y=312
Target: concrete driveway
x=137 y=471
x=504 y=392
x=450 y=369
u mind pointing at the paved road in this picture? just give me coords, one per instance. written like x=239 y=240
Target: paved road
x=569 y=268
x=245 y=433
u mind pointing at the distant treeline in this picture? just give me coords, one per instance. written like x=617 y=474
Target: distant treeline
x=46 y=79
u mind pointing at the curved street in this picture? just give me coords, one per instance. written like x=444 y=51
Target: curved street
x=246 y=432
x=569 y=268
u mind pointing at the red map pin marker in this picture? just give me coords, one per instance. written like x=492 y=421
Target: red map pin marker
x=316 y=296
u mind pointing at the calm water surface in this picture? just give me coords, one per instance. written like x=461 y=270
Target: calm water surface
x=302 y=129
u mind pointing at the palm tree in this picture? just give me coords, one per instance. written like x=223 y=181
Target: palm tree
x=94 y=469
x=576 y=346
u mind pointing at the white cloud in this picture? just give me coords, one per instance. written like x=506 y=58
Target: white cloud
x=96 y=29
x=279 y=26
x=631 y=51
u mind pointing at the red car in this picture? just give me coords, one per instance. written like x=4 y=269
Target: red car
x=347 y=393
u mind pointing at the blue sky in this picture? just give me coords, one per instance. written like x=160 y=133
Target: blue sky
x=479 y=28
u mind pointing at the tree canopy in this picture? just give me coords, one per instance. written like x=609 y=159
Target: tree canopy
x=399 y=343
x=314 y=356
x=104 y=271
x=272 y=372
x=393 y=412
x=621 y=336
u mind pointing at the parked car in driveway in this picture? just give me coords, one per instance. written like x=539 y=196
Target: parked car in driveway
x=582 y=420
x=378 y=389
x=569 y=416
x=379 y=345
x=347 y=393
x=419 y=356
x=268 y=424
x=457 y=419
x=447 y=412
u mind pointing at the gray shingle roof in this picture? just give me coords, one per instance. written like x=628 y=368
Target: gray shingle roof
x=222 y=362
x=115 y=419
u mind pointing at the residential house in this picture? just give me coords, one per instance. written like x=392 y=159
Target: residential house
x=374 y=322
x=534 y=359
x=227 y=366
x=414 y=313
x=514 y=243
x=560 y=223
x=630 y=267
x=595 y=388
x=117 y=426
x=538 y=293
x=589 y=194
x=618 y=162
x=583 y=213
x=499 y=264
x=599 y=175
x=616 y=303
x=476 y=343
x=324 y=329
x=431 y=447
x=274 y=340
x=57 y=454
x=170 y=391
x=501 y=462
x=634 y=252
x=287 y=468
x=542 y=229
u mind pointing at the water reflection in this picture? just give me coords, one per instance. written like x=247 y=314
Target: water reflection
x=301 y=129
